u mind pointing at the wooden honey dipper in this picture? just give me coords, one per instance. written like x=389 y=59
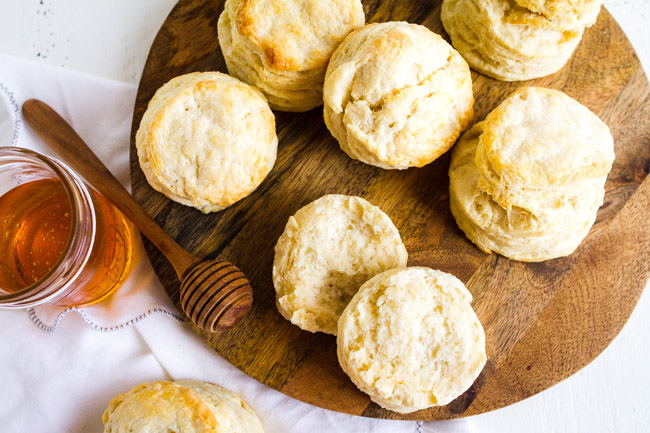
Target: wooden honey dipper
x=215 y=294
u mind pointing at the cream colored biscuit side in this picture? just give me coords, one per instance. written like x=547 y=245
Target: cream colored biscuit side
x=410 y=339
x=518 y=28
x=487 y=26
x=328 y=249
x=396 y=95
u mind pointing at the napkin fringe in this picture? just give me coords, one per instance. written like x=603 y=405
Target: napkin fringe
x=92 y=325
x=16 y=109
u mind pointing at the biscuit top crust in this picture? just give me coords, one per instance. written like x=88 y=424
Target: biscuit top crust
x=540 y=138
x=583 y=12
x=398 y=93
x=556 y=15
x=382 y=59
x=186 y=406
x=411 y=340
x=159 y=406
x=233 y=415
x=296 y=35
x=208 y=137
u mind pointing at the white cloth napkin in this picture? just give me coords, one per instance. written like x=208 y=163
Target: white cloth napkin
x=62 y=381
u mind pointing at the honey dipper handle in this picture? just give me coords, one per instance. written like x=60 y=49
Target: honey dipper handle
x=60 y=136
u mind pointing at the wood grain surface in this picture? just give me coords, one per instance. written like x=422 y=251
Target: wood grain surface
x=543 y=321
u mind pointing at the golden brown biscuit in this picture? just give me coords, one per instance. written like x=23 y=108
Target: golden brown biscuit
x=180 y=407
x=206 y=140
x=538 y=141
x=283 y=46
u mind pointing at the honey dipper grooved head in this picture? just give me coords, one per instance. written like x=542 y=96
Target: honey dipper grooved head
x=215 y=295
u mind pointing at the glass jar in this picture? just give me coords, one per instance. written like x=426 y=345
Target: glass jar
x=94 y=259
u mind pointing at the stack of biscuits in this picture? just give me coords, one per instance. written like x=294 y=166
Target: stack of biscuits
x=528 y=180
x=282 y=46
x=515 y=40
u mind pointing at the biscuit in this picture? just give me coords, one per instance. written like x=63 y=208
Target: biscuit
x=527 y=182
x=410 y=339
x=181 y=406
x=505 y=41
x=206 y=140
x=329 y=248
x=397 y=95
x=283 y=46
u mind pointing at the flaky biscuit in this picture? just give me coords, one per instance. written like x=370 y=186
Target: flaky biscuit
x=555 y=230
x=329 y=248
x=539 y=141
x=283 y=46
x=506 y=41
x=181 y=406
x=206 y=140
x=397 y=95
x=533 y=195
x=410 y=339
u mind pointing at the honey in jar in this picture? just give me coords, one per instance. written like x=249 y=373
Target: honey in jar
x=35 y=220
x=62 y=242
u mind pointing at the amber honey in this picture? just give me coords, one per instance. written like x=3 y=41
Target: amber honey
x=110 y=258
x=62 y=241
x=35 y=220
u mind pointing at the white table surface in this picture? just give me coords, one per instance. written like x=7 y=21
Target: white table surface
x=111 y=39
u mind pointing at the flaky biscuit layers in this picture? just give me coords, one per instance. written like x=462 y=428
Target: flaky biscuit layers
x=206 y=140
x=527 y=182
x=410 y=339
x=329 y=248
x=283 y=46
x=397 y=95
x=505 y=40
x=181 y=407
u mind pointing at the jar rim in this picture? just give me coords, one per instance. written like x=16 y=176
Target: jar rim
x=79 y=243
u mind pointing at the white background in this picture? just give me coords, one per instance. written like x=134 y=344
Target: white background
x=111 y=39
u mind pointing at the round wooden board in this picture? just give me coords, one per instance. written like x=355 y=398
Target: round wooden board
x=543 y=321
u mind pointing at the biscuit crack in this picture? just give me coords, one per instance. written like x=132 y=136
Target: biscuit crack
x=372 y=127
